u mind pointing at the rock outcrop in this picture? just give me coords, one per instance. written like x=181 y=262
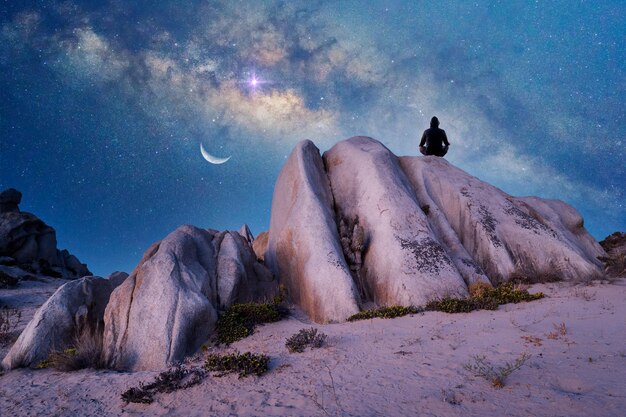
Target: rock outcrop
x=168 y=306
x=10 y=200
x=404 y=262
x=615 y=259
x=407 y=230
x=507 y=237
x=76 y=306
x=303 y=248
x=30 y=244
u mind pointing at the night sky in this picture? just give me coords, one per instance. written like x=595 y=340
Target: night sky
x=104 y=104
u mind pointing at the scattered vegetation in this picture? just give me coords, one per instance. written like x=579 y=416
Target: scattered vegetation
x=384 y=313
x=462 y=305
x=305 y=338
x=171 y=380
x=239 y=320
x=86 y=352
x=496 y=375
x=243 y=363
x=560 y=330
x=9 y=320
x=483 y=297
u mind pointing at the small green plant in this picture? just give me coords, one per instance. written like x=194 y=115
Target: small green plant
x=496 y=375
x=44 y=364
x=305 y=338
x=243 y=363
x=461 y=305
x=483 y=298
x=510 y=293
x=384 y=313
x=239 y=320
x=171 y=380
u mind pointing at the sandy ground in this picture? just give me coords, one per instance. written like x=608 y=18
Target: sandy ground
x=409 y=366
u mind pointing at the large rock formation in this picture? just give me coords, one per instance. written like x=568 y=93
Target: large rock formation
x=75 y=307
x=408 y=230
x=168 y=306
x=303 y=248
x=357 y=226
x=404 y=262
x=29 y=243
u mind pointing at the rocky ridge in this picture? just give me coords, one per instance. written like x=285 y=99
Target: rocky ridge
x=353 y=227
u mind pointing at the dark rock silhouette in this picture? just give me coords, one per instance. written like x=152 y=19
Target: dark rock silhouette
x=615 y=260
x=30 y=244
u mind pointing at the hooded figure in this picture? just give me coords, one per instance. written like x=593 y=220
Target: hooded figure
x=434 y=140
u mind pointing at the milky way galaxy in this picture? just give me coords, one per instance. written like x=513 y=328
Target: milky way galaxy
x=104 y=104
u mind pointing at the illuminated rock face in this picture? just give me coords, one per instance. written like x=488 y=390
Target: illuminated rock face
x=303 y=247
x=168 y=306
x=429 y=230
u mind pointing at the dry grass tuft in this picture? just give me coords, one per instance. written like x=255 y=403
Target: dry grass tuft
x=496 y=375
x=85 y=352
x=9 y=320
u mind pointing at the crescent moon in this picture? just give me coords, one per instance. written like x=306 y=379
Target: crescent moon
x=210 y=158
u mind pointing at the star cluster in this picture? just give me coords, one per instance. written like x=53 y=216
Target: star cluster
x=104 y=104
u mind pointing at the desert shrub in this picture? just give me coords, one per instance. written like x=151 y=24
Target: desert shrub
x=305 y=338
x=9 y=319
x=483 y=297
x=477 y=289
x=384 y=313
x=239 y=320
x=85 y=352
x=243 y=363
x=461 y=305
x=171 y=380
x=510 y=293
x=496 y=375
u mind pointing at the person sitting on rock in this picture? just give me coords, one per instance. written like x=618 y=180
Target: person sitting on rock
x=434 y=139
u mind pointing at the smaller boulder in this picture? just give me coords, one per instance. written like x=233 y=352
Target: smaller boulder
x=75 y=306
